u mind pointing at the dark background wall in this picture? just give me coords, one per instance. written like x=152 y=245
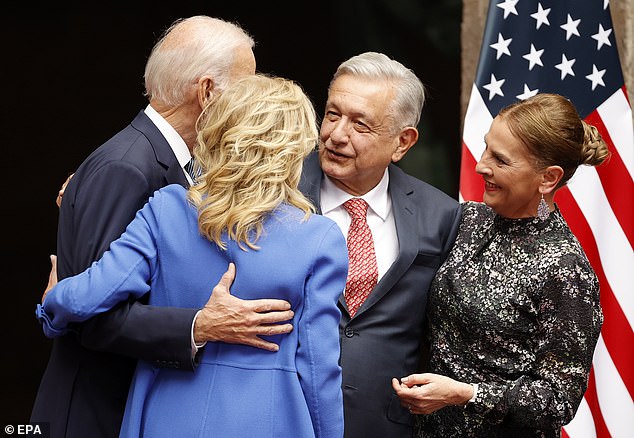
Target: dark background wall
x=72 y=76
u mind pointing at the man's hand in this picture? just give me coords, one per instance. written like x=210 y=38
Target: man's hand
x=52 y=276
x=229 y=319
x=60 y=194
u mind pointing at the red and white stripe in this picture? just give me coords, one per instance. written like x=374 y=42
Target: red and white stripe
x=598 y=204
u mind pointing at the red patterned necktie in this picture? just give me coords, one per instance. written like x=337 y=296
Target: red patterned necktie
x=363 y=272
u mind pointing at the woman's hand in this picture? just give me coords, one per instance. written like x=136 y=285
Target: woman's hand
x=426 y=393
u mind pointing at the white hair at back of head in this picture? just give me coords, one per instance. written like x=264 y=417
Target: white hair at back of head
x=410 y=91
x=190 y=48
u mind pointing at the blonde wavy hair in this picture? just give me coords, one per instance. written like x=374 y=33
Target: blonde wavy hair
x=252 y=141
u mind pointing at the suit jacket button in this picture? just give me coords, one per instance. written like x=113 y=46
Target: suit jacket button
x=349 y=332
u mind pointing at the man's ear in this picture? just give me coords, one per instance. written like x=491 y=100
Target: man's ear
x=205 y=90
x=550 y=179
x=406 y=139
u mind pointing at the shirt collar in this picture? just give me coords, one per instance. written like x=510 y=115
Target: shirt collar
x=377 y=198
x=175 y=141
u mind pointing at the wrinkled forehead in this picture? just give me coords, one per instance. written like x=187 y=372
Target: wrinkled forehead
x=361 y=95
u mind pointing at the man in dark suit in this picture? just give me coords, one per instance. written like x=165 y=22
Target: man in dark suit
x=373 y=107
x=84 y=388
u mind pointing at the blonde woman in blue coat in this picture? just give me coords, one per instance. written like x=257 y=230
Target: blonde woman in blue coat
x=245 y=212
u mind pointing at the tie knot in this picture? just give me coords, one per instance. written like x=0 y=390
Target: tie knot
x=357 y=208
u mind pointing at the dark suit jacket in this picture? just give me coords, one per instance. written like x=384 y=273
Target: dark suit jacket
x=85 y=385
x=385 y=337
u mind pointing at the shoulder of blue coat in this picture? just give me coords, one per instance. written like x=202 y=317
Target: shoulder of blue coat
x=169 y=197
x=171 y=191
x=293 y=216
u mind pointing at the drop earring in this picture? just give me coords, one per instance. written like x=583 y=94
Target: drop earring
x=542 y=209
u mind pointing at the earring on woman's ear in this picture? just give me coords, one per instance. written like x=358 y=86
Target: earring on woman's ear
x=542 y=209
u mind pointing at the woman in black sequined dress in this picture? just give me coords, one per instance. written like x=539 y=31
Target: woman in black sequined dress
x=514 y=312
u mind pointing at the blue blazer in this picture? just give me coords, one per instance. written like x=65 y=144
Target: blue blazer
x=84 y=387
x=385 y=337
x=236 y=391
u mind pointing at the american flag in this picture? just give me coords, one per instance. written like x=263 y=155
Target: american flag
x=568 y=47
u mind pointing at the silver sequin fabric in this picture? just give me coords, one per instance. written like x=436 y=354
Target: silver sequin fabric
x=514 y=308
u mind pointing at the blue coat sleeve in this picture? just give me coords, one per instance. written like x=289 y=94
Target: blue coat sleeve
x=318 y=331
x=123 y=272
x=105 y=202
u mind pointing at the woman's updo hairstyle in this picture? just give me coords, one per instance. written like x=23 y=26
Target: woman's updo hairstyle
x=551 y=129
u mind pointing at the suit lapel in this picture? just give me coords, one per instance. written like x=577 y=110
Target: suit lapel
x=162 y=150
x=405 y=220
x=310 y=182
x=174 y=174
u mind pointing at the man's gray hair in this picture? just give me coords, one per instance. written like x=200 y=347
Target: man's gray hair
x=189 y=49
x=409 y=95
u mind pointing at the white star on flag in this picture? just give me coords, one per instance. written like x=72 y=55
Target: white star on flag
x=596 y=77
x=565 y=66
x=509 y=7
x=571 y=27
x=527 y=93
x=502 y=46
x=541 y=16
x=602 y=37
x=534 y=57
x=495 y=87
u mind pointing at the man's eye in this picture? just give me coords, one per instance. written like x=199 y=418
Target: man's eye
x=361 y=126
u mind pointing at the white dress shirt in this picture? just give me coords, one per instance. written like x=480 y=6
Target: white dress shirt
x=380 y=218
x=176 y=142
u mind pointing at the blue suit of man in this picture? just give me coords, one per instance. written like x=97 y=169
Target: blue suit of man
x=385 y=337
x=83 y=391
